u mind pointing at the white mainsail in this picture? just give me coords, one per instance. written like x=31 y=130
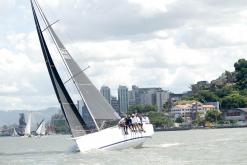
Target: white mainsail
x=28 y=126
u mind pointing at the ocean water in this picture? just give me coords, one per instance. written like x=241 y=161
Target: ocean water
x=191 y=147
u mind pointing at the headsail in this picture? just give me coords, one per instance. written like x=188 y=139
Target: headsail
x=76 y=123
x=95 y=103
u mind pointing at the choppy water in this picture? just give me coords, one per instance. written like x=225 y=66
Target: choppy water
x=197 y=147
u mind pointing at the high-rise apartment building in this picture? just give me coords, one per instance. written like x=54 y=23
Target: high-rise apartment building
x=106 y=92
x=123 y=99
x=115 y=104
x=148 y=96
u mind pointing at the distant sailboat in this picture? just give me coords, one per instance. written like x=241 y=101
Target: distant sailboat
x=28 y=126
x=14 y=134
x=41 y=128
x=94 y=129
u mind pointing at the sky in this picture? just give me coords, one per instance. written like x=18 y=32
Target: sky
x=163 y=43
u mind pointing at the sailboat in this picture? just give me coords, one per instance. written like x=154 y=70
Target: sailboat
x=14 y=134
x=97 y=127
x=28 y=126
x=40 y=131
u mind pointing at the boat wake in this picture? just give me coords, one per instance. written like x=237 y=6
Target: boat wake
x=73 y=149
x=166 y=145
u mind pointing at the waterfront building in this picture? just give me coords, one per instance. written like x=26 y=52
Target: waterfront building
x=123 y=99
x=161 y=99
x=237 y=114
x=106 y=92
x=174 y=97
x=216 y=104
x=188 y=111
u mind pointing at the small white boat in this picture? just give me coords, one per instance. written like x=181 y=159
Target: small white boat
x=40 y=131
x=14 y=134
x=96 y=127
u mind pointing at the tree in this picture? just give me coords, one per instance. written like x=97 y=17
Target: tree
x=234 y=100
x=159 y=119
x=206 y=96
x=166 y=106
x=241 y=73
x=213 y=116
x=141 y=109
x=225 y=90
x=179 y=120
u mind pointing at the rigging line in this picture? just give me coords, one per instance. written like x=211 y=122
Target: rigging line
x=60 y=53
x=76 y=74
x=47 y=23
x=50 y=25
x=49 y=68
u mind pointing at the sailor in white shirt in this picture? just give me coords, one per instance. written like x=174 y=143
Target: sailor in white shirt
x=145 y=120
x=134 y=122
x=122 y=124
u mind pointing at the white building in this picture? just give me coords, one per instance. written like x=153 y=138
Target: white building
x=188 y=111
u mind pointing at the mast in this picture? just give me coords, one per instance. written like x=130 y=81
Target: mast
x=72 y=116
x=62 y=51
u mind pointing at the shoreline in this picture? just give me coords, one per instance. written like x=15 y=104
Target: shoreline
x=190 y=128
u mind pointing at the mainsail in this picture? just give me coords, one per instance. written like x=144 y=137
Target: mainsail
x=76 y=123
x=28 y=126
x=96 y=105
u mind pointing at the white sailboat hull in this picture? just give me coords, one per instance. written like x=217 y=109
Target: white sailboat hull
x=113 y=139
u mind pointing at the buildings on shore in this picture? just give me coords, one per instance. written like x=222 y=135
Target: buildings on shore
x=188 y=111
x=235 y=114
x=106 y=92
x=123 y=99
x=136 y=96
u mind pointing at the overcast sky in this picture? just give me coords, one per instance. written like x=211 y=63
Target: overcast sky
x=162 y=43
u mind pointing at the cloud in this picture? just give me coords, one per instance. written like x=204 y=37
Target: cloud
x=170 y=44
